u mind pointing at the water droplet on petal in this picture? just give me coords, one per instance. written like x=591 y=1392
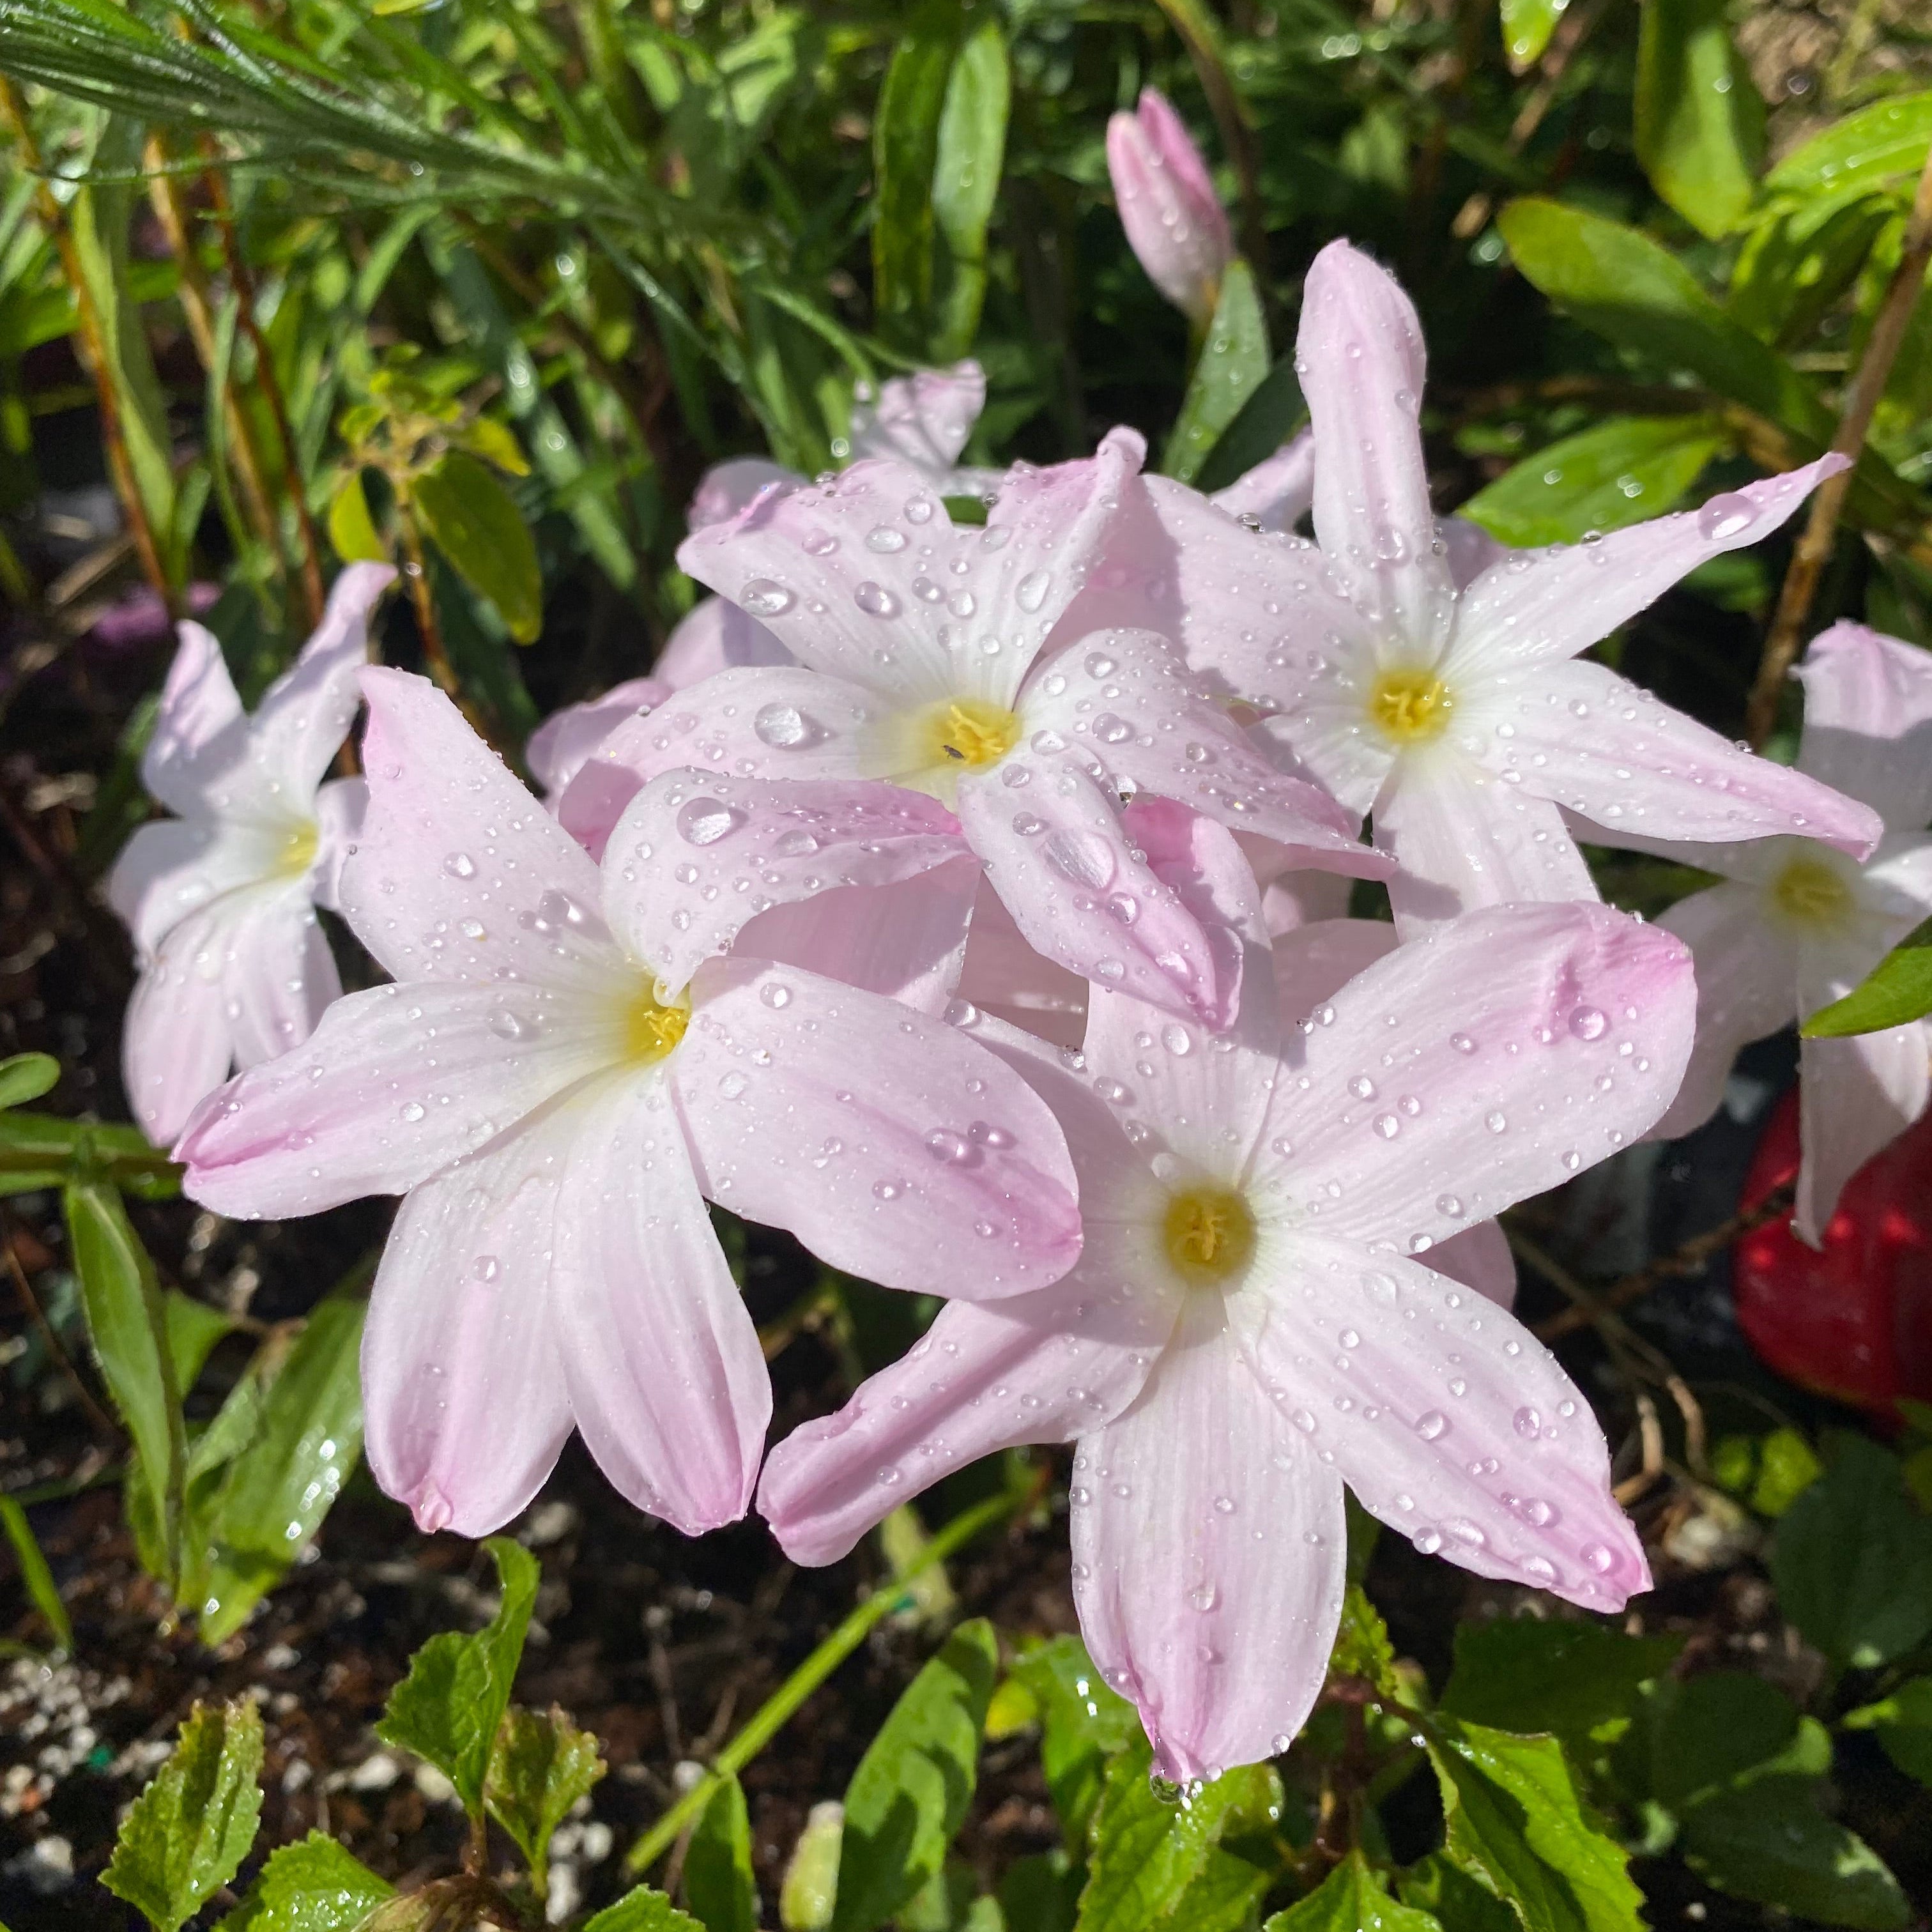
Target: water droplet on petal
x=704 y=821
x=764 y=598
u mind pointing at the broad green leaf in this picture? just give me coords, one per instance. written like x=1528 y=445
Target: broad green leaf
x=810 y=1888
x=540 y=1766
x=1270 y=417
x=910 y=1793
x=1576 y=1680
x=1616 y=473
x=352 y=530
x=1351 y=1898
x=1146 y=1849
x=1699 y=116
x=128 y=1326
x=477 y=525
x=1902 y=1723
x=1083 y=1723
x=1767 y=1841
x=1456 y=1900
x=1362 y=1645
x=1703 y=1734
x=1899 y=989
x=905 y=151
x=642 y=1910
x=449 y=1706
x=966 y=166
x=1224 y=1897
x=1852 y=1560
x=313 y=1886
x=1516 y=1823
x=496 y=442
x=35 y=1577
x=1527 y=25
x=188 y=1832
x=1881 y=146
x=1041 y=1893
x=718 y=1885
x=1232 y=367
x=275 y=1496
x=1795 y=264
x=25 y=1077
x=193 y=1329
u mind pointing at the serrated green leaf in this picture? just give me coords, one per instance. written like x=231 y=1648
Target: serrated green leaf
x=540 y=1766
x=1225 y=1897
x=1362 y=1646
x=1576 y=1680
x=1879 y=147
x=352 y=530
x=449 y=1708
x=314 y=1886
x=475 y=522
x=1903 y=1724
x=966 y=165
x=1527 y=25
x=641 y=1910
x=1232 y=367
x=1515 y=1822
x=910 y=1793
x=1434 y=1886
x=26 y=1076
x=718 y=1885
x=1852 y=1560
x=1614 y=473
x=1351 y=1898
x=35 y=1577
x=1699 y=117
x=1898 y=990
x=189 y=1831
x=1082 y=1722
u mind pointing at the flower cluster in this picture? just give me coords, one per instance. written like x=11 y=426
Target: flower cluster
x=967 y=898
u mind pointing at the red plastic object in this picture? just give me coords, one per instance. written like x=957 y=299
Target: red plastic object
x=1852 y=1320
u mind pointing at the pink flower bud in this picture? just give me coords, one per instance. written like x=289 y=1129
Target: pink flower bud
x=1168 y=206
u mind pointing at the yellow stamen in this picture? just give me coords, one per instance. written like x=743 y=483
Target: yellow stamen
x=299 y=851
x=1209 y=1234
x=651 y=1028
x=969 y=731
x=1811 y=892
x=1411 y=706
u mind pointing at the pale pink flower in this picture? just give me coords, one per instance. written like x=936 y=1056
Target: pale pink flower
x=1251 y=1324
x=1797 y=924
x=1461 y=720
x=560 y=746
x=928 y=658
x=221 y=898
x=1167 y=206
x=555 y=1121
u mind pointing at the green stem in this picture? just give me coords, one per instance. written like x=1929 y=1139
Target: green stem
x=778 y=1710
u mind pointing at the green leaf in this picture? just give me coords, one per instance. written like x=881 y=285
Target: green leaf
x=1224 y=1897
x=1616 y=473
x=1702 y=1736
x=905 y=152
x=449 y=1708
x=1041 y=1893
x=1527 y=26
x=1898 y=990
x=910 y=1793
x=1434 y=1886
x=1351 y=1897
x=966 y=166
x=718 y=1885
x=1699 y=116
x=128 y=1326
x=1267 y=420
x=476 y=524
x=1147 y=1850
x=25 y=1077
x=1083 y=1723
x=1903 y=1723
x=35 y=1147
x=352 y=530
x=314 y=1885
x=1232 y=367
x=36 y=1578
x=540 y=1766
x=1577 y=1680
x=1767 y=1841
x=1852 y=1560
x=1515 y=1824
x=1362 y=1646
x=641 y=1910
x=810 y=1888
x=193 y=1329
x=1879 y=147
x=496 y=442
x=274 y=1496
x=1794 y=266
x=188 y=1832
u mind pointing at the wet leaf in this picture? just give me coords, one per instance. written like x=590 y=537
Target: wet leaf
x=1351 y=1897
x=475 y=522
x=1699 y=116
x=313 y=1886
x=1232 y=367
x=541 y=1765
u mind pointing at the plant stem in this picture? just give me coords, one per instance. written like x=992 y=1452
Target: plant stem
x=416 y=573
x=778 y=1710
x=1861 y=401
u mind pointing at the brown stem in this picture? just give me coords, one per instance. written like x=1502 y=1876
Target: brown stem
x=94 y=354
x=416 y=572
x=1861 y=401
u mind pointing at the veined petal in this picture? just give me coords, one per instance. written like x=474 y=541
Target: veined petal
x=892 y=1146
x=176 y=1043
x=1538 y=607
x=461 y=875
x=200 y=731
x=667 y=1382
x=173 y=867
x=922 y=419
x=1868 y=721
x=1279 y=491
x=462 y=1394
x=1533 y=1040
x=280 y=976
x=1361 y=355
x=1313 y=963
x=1457 y=1427
x=393 y=1085
x=1854 y=1096
x=697 y=855
x=1003 y=975
x=1323 y=733
x=715 y=635
x=1610 y=752
x=1173 y=219
x=1209 y=1557
x=1479 y=1258
x=559 y=745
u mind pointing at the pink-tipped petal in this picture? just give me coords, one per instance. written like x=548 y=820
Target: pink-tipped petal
x=715 y=635
x=728 y=487
x=1533 y=1041
x=922 y=419
x=462 y=1394
x=1278 y=492
x=1209 y=1557
x=1167 y=207
x=697 y=855
x=176 y=1044
x=558 y=747
x=200 y=732
x=667 y=1382
x=1868 y=721
x=1606 y=750
x=1456 y=1427
x=935 y=1168
x=1360 y=351
x=1854 y=1097
x=1538 y=607
x=305 y=714
x=1479 y=1258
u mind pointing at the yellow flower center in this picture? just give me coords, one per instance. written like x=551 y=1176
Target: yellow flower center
x=1811 y=892
x=1410 y=706
x=968 y=731
x=298 y=852
x=1209 y=1234
x=651 y=1028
